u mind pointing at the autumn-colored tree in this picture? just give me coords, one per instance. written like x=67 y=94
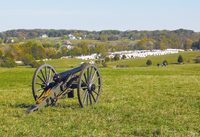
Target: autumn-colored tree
x=64 y=51
x=103 y=38
x=1 y=41
x=84 y=47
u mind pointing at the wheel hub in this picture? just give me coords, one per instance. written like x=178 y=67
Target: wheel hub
x=92 y=87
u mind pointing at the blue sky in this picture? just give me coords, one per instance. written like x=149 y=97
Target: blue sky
x=100 y=15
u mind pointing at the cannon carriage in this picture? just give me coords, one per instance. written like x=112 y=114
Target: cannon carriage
x=48 y=86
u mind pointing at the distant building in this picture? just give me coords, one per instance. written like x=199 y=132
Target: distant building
x=189 y=50
x=43 y=36
x=67 y=46
x=79 y=38
x=11 y=40
x=23 y=38
x=72 y=37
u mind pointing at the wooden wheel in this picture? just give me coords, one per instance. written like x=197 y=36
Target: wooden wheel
x=89 y=85
x=42 y=79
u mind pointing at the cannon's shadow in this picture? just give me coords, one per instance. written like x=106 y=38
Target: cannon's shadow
x=57 y=105
x=17 y=105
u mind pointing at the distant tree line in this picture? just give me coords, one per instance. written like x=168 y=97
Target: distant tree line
x=108 y=41
x=161 y=39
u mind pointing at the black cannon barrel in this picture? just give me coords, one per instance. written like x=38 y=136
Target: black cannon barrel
x=63 y=75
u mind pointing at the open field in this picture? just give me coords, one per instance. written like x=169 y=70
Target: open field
x=135 y=101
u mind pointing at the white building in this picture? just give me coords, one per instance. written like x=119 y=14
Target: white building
x=72 y=37
x=44 y=36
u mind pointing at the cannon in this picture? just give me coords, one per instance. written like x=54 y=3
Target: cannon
x=48 y=86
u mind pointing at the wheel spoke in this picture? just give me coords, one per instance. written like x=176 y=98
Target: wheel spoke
x=88 y=80
x=46 y=73
x=95 y=92
x=95 y=80
x=49 y=77
x=41 y=79
x=84 y=87
x=90 y=99
x=40 y=84
x=84 y=82
x=93 y=97
x=85 y=78
x=90 y=74
x=52 y=77
x=42 y=93
x=85 y=97
x=39 y=89
x=94 y=75
x=84 y=92
x=97 y=85
x=42 y=75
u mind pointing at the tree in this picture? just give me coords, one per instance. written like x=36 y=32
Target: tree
x=1 y=54
x=84 y=47
x=123 y=56
x=103 y=38
x=116 y=57
x=107 y=59
x=64 y=36
x=1 y=41
x=28 y=59
x=76 y=51
x=58 y=55
x=187 y=44
x=8 y=62
x=165 y=61
x=58 y=46
x=180 y=59
x=149 y=62
x=64 y=51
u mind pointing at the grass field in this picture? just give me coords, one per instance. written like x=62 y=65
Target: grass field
x=135 y=101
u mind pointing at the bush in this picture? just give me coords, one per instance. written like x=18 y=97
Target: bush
x=104 y=64
x=180 y=59
x=9 y=63
x=116 y=57
x=197 y=61
x=165 y=61
x=124 y=57
x=149 y=62
x=34 y=64
x=107 y=59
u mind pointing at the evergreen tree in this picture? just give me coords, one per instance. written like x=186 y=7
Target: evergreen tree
x=149 y=62
x=180 y=59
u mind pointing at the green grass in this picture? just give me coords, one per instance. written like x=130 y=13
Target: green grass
x=135 y=101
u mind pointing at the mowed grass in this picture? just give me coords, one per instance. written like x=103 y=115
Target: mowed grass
x=137 y=101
